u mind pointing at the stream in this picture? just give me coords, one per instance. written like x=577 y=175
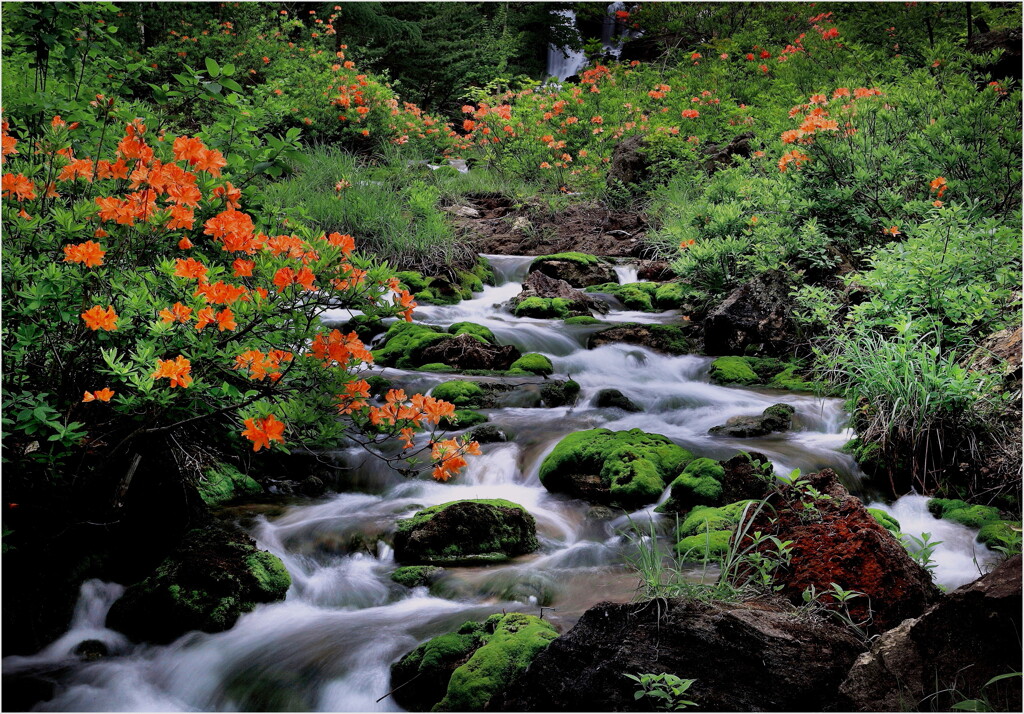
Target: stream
x=330 y=644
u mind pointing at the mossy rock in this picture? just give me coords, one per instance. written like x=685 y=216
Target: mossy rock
x=887 y=521
x=627 y=468
x=961 y=512
x=479 y=530
x=516 y=640
x=213 y=577
x=582 y=320
x=670 y=339
x=1001 y=534
x=403 y=343
x=464 y=419
x=223 y=483
x=712 y=545
x=437 y=367
x=412 y=576
x=379 y=386
x=464 y=670
x=733 y=370
x=532 y=363
x=760 y=372
x=413 y=281
x=570 y=256
x=670 y=296
x=460 y=393
x=700 y=484
x=707 y=518
x=559 y=394
x=543 y=308
x=867 y=455
x=471 y=328
x=635 y=296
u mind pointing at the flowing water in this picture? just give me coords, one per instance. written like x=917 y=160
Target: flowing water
x=329 y=645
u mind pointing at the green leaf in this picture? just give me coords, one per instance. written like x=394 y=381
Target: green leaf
x=212 y=67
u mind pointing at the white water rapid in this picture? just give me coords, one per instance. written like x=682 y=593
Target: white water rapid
x=329 y=645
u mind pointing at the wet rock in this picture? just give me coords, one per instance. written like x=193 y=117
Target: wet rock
x=468 y=352
x=579 y=270
x=744 y=657
x=214 y=576
x=488 y=434
x=960 y=643
x=836 y=540
x=91 y=650
x=312 y=486
x=614 y=399
x=778 y=417
x=629 y=164
x=720 y=157
x=544 y=297
x=747 y=475
x=223 y=482
x=467 y=669
x=468 y=531
x=655 y=270
x=600 y=513
x=670 y=339
x=757 y=317
x=559 y=393
x=759 y=372
x=412 y=576
x=627 y=468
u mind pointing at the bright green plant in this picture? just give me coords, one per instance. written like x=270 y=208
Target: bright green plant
x=666 y=690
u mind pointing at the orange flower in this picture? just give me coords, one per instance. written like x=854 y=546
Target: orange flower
x=283 y=278
x=938 y=184
x=188 y=149
x=226 y=320
x=355 y=396
x=177 y=313
x=177 y=370
x=184 y=243
x=230 y=194
x=90 y=253
x=243 y=268
x=18 y=186
x=345 y=242
x=190 y=268
x=204 y=317
x=96 y=318
x=102 y=395
x=262 y=431
x=892 y=230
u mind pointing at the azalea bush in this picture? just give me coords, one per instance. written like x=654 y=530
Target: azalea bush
x=146 y=312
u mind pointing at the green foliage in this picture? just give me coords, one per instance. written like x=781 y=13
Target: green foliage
x=666 y=690
x=887 y=521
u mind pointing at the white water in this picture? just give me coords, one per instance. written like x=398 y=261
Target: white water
x=330 y=644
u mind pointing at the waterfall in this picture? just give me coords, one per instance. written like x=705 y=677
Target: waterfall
x=564 y=63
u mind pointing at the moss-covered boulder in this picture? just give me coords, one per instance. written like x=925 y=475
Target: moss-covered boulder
x=469 y=352
x=709 y=518
x=471 y=328
x=888 y=522
x=544 y=308
x=462 y=419
x=710 y=545
x=465 y=670
x=223 y=482
x=777 y=417
x=446 y=289
x=626 y=468
x=532 y=363
x=580 y=270
x=760 y=372
x=582 y=320
x=404 y=343
x=993 y=529
x=461 y=393
x=214 y=576
x=412 y=576
x=466 y=532
x=614 y=399
x=634 y=296
x=672 y=296
x=488 y=434
x=700 y=484
x=557 y=393
x=670 y=339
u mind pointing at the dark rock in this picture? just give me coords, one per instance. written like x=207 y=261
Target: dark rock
x=948 y=654
x=836 y=540
x=412 y=576
x=613 y=398
x=744 y=657
x=579 y=270
x=655 y=270
x=488 y=434
x=312 y=486
x=467 y=352
x=720 y=157
x=746 y=475
x=756 y=317
x=600 y=513
x=670 y=339
x=214 y=576
x=1008 y=40
x=91 y=650
x=778 y=417
x=466 y=531
x=559 y=394
x=420 y=679
x=541 y=285
x=629 y=165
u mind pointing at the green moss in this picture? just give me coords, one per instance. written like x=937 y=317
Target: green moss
x=460 y=393
x=670 y=296
x=558 y=394
x=379 y=386
x=404 y=342
x=471 y=328
x=582 y=320
x=705 y=546
x=705 y=518
x=437 y=367
x=424 y=515
x=888 y=522
x=635 y=296
x=223 y=482
x=413 y=281
x=516 y=640
x=963 y=513
x=412 y=576
x=543 y=308
x=464 y=419
x=483 y=271
x=700 y=484
x=572 y=257
x=733 y=370
x=270 y=573
x=633 y=465
x=534 y=364
x=1001 y=533
x=790 y=380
